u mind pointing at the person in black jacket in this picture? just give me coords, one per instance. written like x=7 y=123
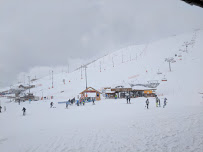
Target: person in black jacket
x=0 y=108
x=147 y=103
x=51 y=104
x=67 y=104
x=164 y=102
x=24 y=110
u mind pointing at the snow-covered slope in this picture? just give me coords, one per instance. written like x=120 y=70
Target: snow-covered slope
x=137 y=64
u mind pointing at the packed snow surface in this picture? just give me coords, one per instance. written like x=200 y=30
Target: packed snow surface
x=111 y=124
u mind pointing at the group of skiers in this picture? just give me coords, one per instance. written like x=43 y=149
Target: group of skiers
x=82 y=101
x=158 y=103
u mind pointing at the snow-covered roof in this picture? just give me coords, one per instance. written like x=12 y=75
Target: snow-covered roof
x=109 y=91
x=121 y=85
x=90 y=89
x=142 y=88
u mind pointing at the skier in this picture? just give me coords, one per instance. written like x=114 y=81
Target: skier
x=164 y=102
x=147 y=103
x=67 y=104
x=159 y=102
x=83 y=102
x=0 y=109
x=77 y=102
x=127 y=99
x=24 y=110
x=51 y=104
x=93 y=101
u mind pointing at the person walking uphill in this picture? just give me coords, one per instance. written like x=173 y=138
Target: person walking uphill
x=24 y=110
x=147 y=103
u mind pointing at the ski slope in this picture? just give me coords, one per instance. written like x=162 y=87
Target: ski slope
x=136 y=64
x=113 y=125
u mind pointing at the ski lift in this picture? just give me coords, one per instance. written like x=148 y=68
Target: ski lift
x=159 y=72
x=164 y=79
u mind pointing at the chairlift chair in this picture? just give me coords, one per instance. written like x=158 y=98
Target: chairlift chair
x=164 y=79
x=159 y=72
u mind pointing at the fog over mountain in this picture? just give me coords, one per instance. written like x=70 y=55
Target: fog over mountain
x=52 y=33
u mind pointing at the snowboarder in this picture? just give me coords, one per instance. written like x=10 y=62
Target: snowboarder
x=51 y=104
x=24 y=110
x=164 y=102
x=0 y=109
x=147 y=103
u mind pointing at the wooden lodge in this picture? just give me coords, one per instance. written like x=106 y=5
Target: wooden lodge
x=91 y=93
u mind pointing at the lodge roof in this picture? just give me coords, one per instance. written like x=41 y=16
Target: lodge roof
x=141 y=88
x=90 y=89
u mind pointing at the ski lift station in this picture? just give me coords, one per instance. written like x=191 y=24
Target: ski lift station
x=140 y=91
x=135 y=91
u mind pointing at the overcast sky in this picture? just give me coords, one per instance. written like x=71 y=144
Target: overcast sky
x=50 y=32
